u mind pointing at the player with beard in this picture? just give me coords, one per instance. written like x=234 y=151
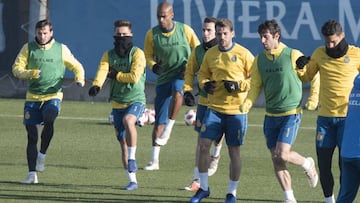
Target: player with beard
x=274 y=72
x=225 y=76
x=43 y=63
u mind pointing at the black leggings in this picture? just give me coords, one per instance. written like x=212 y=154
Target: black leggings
x=47 y=133
x=325 y=156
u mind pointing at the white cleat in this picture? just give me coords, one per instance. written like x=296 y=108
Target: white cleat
x=40 y=164
x=153 y=165
x=30 y=179
x=311 y=174
x=213 y=165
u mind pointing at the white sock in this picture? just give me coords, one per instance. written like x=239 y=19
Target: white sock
x=170 y=124
x=32 y=173
x=216 y=152
x=131 y=152
x=131 y=176
x=330 y=199
x=232 y=187
x=196 y=173
x=41 y=155
x=155 y=153
x=289 y=195
x=306 y=165
x=204 y=184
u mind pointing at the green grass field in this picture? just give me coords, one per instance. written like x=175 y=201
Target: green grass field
x=83 y=161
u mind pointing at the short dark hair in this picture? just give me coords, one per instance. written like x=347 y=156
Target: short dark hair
x=122 y=23
x=223 y=22
x=270 y=25
x=42 y=23
x=210 y=20
x=331 y=27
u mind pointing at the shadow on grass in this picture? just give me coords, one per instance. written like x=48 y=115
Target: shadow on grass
x=48 y=192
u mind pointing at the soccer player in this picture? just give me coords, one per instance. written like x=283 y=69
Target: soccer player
x=125 y=66
x=225 y=76
x=167 y=49
x=43 y=63
x=274 y=71
x=350 y=148
x=192 y=68
x=338 y=63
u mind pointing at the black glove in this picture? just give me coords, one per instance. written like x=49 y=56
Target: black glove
x=302 y=61
x=157 y=69
x=231 y=86
x=94 y=90
x=189 y=99
x=112 y=73
x=209 y=87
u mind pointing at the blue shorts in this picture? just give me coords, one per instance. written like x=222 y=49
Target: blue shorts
x=136 y=109
x=281 y=129
x=329 y=131
x=34 y=110
x=200 y=112
x=163 y=99
x=216 y=124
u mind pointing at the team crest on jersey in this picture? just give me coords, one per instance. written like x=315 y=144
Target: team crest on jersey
x=233 y=58
x=319 y=136
x=346 y=59
x=27 y=115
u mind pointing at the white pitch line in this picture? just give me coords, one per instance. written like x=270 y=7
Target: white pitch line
x=60 y=117
x=104 y=119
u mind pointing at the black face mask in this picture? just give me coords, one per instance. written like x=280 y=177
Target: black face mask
x=339 y=50
x=123 y=45
x=209 y=44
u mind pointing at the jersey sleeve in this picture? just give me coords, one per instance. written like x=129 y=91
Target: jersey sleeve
x=149 y=49
x=191 y=68
x=255 y=83
x=73 y=64
x=102 y=71
x=191 y=37
x=19 y=68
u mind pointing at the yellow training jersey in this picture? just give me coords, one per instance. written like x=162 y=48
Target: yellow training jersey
x=336 y=79
x=235 y=65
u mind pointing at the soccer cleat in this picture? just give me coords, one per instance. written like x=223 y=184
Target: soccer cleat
x=194 y=186
x=200 y=194
x=311 y=174
x=153 y=165
x=230 y=198
x=30 y=179
x=132 y=166
x=213 y=165
x=164 y=137
x=131 y=186
x=40 y=164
